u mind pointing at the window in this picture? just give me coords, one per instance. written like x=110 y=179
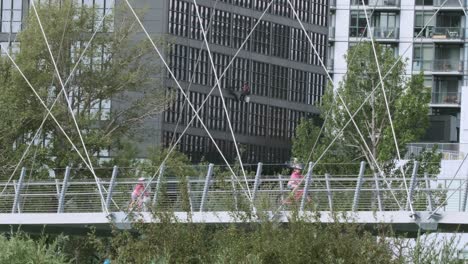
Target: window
x=319 y=40
x=260 y=78
x=220 y=63
x=300 y=50
x=240 y=73
x=358 y=24
x=240 y=30
x=424 y=2
x=102 y=7
x=215 y=113
x=316 y=88
x=259 y=116
x=320 y=12
x=199 y=66
x=423 y=18
x=11 y=47
x=279 y=84
x=423 y=56
x=239 y=116
x=11 y=15
x=298 y=90
x=179 y=18
x=178 y=61
x=281 y=8
x=261 y=5
x=261 y=38
x=196 y=30
x=278 y=122
x=280 y=45
x=221 y=28
x=302 y=8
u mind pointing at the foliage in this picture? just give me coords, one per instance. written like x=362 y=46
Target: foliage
x=21 y=249
x=115 y=67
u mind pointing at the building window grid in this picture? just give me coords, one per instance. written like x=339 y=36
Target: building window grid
x=281 y=8
x=280 y=82
x=179 y=18
x=239 y=116
x=320 y=47
x=215 y=113
x=260 y=78
x=178 y=61
x=240 y=29
x=220 y=63
x=298 y=89
x=278 y=121
x=280 y=43
x=221 y=28
x=195 y=29
x=259 y=113
x=262 y=38
x=11 y=15
x=240 y=73
x=199 y=66
x=196 y=99
x=300 y=50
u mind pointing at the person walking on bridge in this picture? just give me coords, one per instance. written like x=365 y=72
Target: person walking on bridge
x=140 y=196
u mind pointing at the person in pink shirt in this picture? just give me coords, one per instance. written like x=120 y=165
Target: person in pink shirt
x=294 y=182
x=139 y=195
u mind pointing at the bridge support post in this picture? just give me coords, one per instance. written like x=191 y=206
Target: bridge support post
x=16 y=202
x=115 y=171
x=234 y=192
x=158 y=185
x=257 y=181
x=307 y=182
x=358 y=186
x=189 y=196
x=377 y=192
x=409 y=200
x=63 y=190
x=329 y=193
x=205 y=188
x=428 y=192
x=281 y=186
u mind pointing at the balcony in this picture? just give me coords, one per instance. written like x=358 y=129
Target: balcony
x=385 y=33
x=447 y=33
x=449 y=4
x=443 y=66
x=446 y=99
x=440 y=33
x=377 y=3
x=379 y=33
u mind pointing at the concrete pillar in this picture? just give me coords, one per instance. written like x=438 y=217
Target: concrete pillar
x=464 y=121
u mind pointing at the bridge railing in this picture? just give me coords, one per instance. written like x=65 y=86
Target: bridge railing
x=223 y=193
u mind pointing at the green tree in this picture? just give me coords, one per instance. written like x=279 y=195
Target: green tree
x=408 y=101
x=116 y=67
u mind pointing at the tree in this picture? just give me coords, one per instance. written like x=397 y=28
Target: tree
x=116 y=68
x=408 y=101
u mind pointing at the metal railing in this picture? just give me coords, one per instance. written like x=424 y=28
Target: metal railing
x=449 y=151
x=377 y=3
x=447 y=33
x=449 y=3
x=438 y=65
x=214 y=193
x=385 y=32
x=447 y=98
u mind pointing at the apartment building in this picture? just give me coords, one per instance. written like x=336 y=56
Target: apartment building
x=284 y=75
x=429 y=34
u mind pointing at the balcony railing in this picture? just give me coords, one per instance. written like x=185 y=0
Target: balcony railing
x=450 y=151
x=377 y=3
x=452 y=98
x=447 y=33
x=439 y=32
x=377 y=32
x=438 y=65
x=385 y=32
x=449 y=3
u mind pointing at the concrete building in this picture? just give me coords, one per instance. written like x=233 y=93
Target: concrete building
x=277 y=63
x=439 y=49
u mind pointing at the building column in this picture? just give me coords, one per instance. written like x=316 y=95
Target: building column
x=464 y=119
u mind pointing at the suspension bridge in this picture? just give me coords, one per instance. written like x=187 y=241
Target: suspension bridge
x=73 y=204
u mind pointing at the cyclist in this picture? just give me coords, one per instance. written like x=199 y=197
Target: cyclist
x=294 y=183
x=140 y=196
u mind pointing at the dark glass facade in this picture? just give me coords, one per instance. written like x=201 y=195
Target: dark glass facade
x=277 y=62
